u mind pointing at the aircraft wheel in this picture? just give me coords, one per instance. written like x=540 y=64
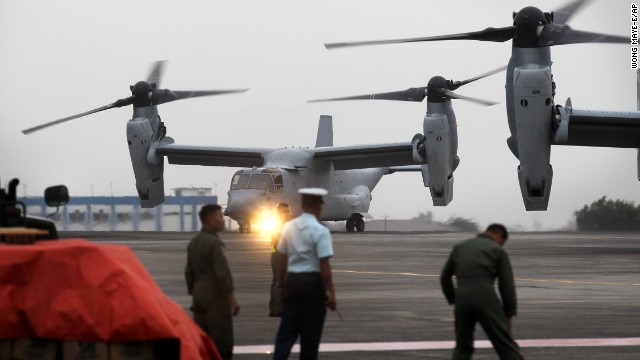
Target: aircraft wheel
x=241 y=228
x=350 y=225
x=360 y=225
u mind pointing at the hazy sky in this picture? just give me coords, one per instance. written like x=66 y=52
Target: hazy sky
x=65 y=57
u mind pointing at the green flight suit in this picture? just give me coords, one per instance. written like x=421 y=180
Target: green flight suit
x=209 y=281
x=476 y=263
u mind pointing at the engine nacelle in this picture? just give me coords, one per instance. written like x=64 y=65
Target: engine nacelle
x=148 y=167
x=533 y=103
x=440 y=160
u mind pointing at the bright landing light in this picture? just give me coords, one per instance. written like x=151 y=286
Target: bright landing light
x=267 y=222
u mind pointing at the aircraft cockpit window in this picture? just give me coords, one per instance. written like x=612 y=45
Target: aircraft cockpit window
x=239 y=181
x=261 y=182
x=278 y=183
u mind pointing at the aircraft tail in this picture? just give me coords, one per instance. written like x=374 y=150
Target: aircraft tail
x=325 y=131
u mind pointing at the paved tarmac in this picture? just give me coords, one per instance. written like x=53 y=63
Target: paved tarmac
x=578 y=293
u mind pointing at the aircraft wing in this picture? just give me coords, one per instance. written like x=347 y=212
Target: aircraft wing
x=598 y=128
x=406 y=168
x=212 y=155
x=367 y=156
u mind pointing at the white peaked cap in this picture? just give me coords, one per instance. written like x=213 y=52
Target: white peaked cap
x=313 y=191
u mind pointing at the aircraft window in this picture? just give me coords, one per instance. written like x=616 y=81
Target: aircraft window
x=239 y=181
x=261 y=182
x=278 y=183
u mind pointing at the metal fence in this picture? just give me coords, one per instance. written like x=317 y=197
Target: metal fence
x=107 y=213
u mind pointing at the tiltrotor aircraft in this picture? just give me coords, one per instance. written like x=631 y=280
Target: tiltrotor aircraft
x=271 y=175
x=535 y=121
x=439 y=144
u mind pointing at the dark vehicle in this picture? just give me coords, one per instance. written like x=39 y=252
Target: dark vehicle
x=13 y=213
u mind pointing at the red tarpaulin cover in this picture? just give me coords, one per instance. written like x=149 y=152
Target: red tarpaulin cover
x=77 y=290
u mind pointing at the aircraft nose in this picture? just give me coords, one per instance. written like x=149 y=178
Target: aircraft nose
x=242 y=203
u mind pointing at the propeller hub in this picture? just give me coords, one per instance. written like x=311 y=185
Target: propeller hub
x=528 y=20
x=142 y=90
x=435 y=87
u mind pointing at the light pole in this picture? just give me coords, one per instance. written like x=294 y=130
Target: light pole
x=385 y=222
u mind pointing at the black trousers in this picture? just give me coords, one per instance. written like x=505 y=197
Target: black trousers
x=303 y=314
x=275 y=300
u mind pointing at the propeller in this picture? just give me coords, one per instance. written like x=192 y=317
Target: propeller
x=144 y=93
x=156 y=72
x=438 y=90
x=531 y=28
x=488 y=34
x=562 y=15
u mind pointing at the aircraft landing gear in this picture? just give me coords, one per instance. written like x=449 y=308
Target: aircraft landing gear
x=355 y=222
x=350 y=225
x=242 y=228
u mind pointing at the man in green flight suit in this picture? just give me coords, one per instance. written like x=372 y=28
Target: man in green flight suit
x=210 y=283
x=476 y=263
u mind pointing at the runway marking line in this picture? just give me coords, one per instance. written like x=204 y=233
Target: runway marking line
x=444 y=345
x=579 y=282
x=384 y=273
x=517 y=279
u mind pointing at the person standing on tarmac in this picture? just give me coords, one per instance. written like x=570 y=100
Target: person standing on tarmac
x=476 y=263
x=210 y=283
x=275 y=301
x=306 y=247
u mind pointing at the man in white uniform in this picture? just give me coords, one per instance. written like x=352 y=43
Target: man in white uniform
x=306 y=247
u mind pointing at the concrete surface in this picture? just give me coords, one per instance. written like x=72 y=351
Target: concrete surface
x=578 y=293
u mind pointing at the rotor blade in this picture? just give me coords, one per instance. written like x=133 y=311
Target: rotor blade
x=453 y=95
x=562 y=15
x=163 y=96
x=457 y=84
x=412 y=94
x=157 y=70
x=118 y=103
x=488 y=34
x=562 y=35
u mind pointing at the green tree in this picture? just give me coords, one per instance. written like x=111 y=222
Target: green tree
x=608 y=215
x=424 y=216
x=463 y=224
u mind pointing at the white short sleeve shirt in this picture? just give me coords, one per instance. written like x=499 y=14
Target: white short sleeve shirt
x=305 y=241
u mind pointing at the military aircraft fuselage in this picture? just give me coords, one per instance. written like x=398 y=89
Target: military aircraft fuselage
x=259 y=189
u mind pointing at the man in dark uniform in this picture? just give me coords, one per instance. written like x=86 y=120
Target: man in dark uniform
x=476 y=263
x=306 y=247
x=275 y=301
x=210 y=283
